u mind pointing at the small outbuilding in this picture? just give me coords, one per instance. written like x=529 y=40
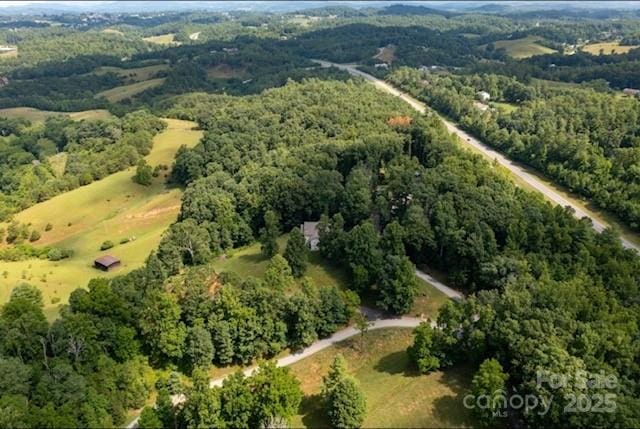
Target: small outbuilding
x=106 y=263
x=311 y=234
x=483 y=96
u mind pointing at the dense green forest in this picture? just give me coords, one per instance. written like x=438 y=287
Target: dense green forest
x=287 y=142
x=586 y=140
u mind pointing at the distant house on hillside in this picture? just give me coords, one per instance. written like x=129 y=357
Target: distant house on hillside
x=483 y=96
x=106 y=263
x=632 y=92
x=381 y=66
x=311 y=234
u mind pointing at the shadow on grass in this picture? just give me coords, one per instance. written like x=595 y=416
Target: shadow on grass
x=450 y=409
x=313 y=413
x=251 y=258
x=397 y=363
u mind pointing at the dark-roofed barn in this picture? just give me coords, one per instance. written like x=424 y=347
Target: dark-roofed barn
x=106 y=263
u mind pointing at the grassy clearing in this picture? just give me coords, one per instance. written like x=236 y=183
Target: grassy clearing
x=113 y=31
x=249 y=262
x=123 y=92
x=386 y=54
x=110 y=209
x=428 y=301
x=396 y=395
x=523 y=48
x=556 y=83
x=304 y=20
x=163 y=39
x=504 y=107
x=9 y=53
x=224 y=71
x=138 y=74
x=37 y=115
x=58 y=163
x=607 y=48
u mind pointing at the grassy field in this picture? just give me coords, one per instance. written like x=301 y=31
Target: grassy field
x=608 y=48
x=427 y=301
x=9 y=54
x=110 y=209
x=138 y=74
x=37 y=115
x=386 y=54
x=397 y=396
x=523 y=48
x=113 y=31
x=58 y=163
x=163 y=39
x=224 y=71
x=249 y=262
x=505 y=107
x=123 y=92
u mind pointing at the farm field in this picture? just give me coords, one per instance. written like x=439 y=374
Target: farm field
x=523 y=48
x=138 y=74
x=607 y=48
x=396 y=395
x=123 y=92
x=37 y=115
x=114 y=208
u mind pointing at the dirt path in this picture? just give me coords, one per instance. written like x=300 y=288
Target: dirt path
x=515 y=168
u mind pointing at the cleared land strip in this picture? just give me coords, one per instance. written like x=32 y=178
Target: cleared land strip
x=514 y=167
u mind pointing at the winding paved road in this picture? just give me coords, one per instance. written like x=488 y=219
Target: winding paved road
x=515 y=168
x=379 y=323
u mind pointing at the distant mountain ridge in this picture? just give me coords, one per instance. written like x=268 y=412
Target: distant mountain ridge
x=444 y=8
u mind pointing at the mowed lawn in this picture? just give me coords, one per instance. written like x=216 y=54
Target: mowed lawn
x=113 y=209
x=607 y=48
x=37 y=115
x=523 y=48
x=123 y=92
x=396 y=395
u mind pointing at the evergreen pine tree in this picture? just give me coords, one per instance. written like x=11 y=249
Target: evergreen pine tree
x=296 y=253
